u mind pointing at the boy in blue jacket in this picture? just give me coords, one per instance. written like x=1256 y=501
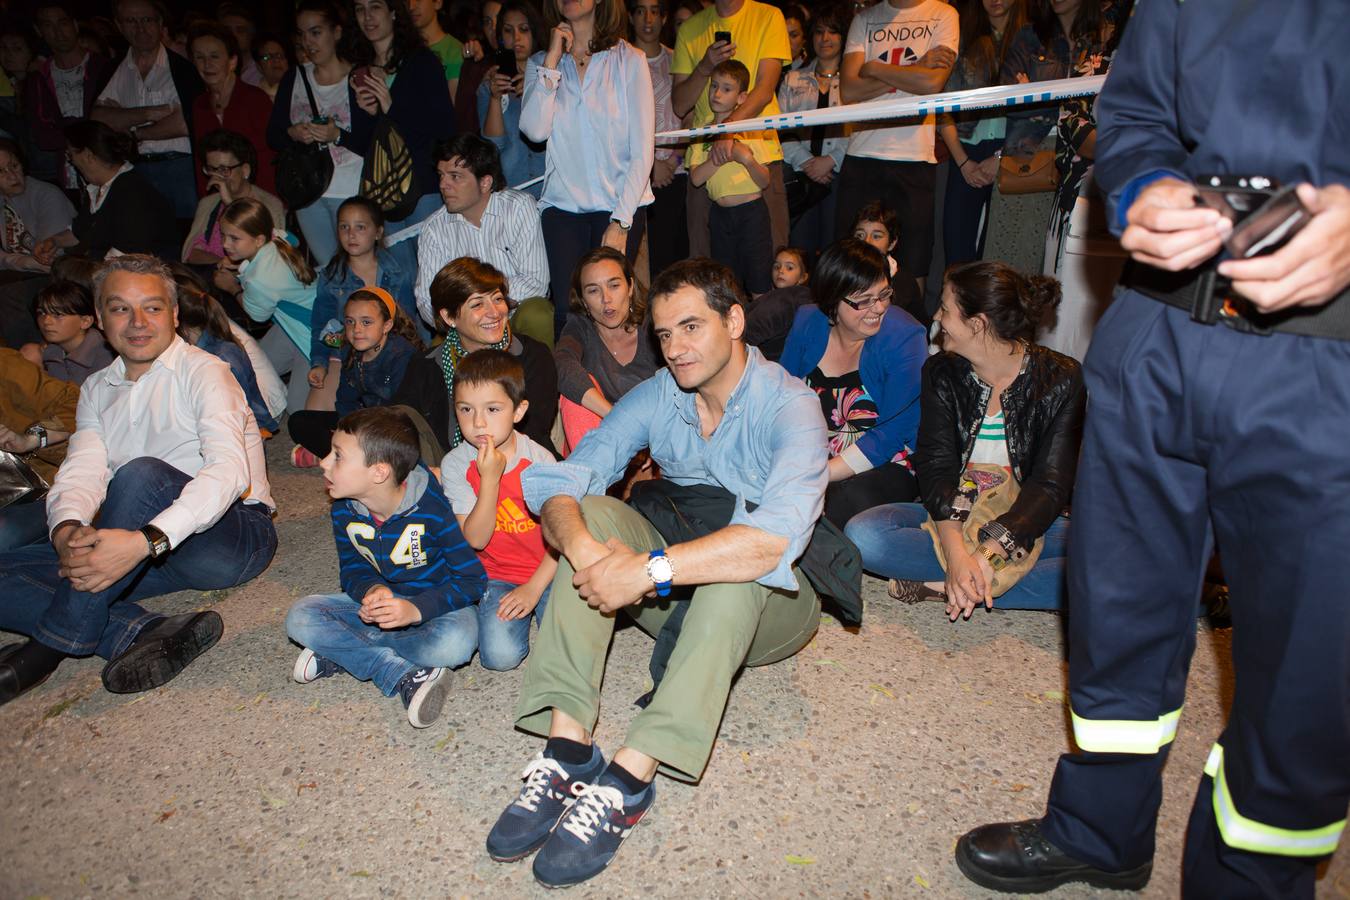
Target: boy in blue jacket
x=400 y=551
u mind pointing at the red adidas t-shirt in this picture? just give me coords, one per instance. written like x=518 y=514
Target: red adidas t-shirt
x=517 y=544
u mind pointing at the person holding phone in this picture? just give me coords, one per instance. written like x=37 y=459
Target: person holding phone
x=519 y=26
x=1205 y=375
x=755 y=34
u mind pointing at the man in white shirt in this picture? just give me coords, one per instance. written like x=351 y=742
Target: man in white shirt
x=150 y=96
x=895 y=49
x=488 y=221
x=167 y=456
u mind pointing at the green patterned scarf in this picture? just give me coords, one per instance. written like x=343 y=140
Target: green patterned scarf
x=452 y=351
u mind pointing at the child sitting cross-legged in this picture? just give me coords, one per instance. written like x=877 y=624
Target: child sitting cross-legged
x=482 y=479
x=409 y=581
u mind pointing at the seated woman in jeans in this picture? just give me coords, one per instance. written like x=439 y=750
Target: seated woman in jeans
x=991 y=397
x=863 y=358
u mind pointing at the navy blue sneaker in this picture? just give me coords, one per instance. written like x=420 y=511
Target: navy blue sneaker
x=310 y=666
x=549 y=789
x=590 y=832
x=424 y=692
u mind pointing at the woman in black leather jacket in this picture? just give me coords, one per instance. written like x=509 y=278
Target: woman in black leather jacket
x=991 y=397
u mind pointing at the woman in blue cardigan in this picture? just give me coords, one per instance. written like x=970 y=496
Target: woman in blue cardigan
x=863 y=358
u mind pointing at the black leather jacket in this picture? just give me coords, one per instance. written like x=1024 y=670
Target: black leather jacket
x=1043 y=416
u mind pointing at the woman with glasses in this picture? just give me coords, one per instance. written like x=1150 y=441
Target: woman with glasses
x=991 y=400
x=862 y=356
x=228 y=101
x=229 y=165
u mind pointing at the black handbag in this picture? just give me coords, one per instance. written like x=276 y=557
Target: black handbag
x=802 y=193
x=304 y=170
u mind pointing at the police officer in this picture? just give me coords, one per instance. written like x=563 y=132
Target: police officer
x=1219 y=409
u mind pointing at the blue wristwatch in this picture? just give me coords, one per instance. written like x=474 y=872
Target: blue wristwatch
x=660 y=571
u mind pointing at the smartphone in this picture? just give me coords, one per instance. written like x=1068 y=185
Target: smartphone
x=721 y=36
x=359 y=76
x=1264 y=215
x=505 y=61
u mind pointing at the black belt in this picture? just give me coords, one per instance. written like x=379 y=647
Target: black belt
x=162 y=157
x=1207 y=297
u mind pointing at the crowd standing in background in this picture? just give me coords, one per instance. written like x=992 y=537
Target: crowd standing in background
x=443 y=244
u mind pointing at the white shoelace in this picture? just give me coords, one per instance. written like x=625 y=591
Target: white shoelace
x=593 y=802
x=537 y=776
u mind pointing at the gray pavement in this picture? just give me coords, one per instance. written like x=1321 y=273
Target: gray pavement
x=847 y=771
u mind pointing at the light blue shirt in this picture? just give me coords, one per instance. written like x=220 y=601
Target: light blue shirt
x=770 y=449
x=601 y=135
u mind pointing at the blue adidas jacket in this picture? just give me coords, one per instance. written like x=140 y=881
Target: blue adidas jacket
x=419 y=552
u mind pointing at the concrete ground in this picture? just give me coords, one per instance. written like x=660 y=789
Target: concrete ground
x=847 y=771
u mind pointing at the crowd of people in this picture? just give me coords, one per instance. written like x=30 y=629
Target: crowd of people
x=550 y=364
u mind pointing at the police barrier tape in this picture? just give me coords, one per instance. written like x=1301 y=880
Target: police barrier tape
x=904 y=108
x=1003 y=95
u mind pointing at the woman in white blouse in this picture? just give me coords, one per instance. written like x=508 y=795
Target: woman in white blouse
x=590 y=97
x=814 y=154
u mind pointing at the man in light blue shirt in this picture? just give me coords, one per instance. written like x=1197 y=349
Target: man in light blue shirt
x=718 y=415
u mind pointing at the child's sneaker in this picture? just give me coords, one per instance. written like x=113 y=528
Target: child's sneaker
x=303 y=459
x=424 y=692
x=590 y=832
x=310 y=666
x=549 y=789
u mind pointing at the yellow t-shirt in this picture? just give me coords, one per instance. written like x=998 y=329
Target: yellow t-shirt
x=757 y=30
x=732 y=179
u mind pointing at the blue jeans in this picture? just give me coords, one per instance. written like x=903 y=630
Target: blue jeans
x=329 y=625
x=318 y=223
x=894 y=545
x=567 y=236
x=36 y=601
x=22 y=524
x=176 y=179
x=965 y=215
x=504 y=645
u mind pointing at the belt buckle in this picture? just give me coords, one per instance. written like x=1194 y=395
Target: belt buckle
x=1235 y=312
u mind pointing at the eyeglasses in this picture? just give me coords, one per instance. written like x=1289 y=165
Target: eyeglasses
x=865 y=303
x=140 y=21
x=219 y=170
x=268 y=57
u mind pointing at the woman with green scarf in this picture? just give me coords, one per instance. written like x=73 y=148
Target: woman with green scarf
x=471 y=302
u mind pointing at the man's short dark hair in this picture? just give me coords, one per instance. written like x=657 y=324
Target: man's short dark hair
x=232 y=142
x=386 y=435
x=478 y=155
x=492 y=366
x=721 y=290
x=877 y=211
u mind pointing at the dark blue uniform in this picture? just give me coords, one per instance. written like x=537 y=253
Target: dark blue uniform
x=1196 y=432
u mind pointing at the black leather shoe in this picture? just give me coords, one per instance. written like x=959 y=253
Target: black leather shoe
x=1015 y=857
x=161 y=651
x=17 y=680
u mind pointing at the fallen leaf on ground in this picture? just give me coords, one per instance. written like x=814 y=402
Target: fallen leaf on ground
x=830 y=662
x=881 y=690
x=274 y=802
x=1053 y=695
x=921 y=881
x=445 y=741
x=800 y=860
x=166 y=815
x=311 y=785
x=360 y=873
x=57 y=708
x=1017 y=788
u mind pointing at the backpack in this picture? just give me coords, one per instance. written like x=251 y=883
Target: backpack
x=388 y=177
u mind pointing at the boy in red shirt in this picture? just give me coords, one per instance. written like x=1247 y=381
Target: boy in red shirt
x=481 y=478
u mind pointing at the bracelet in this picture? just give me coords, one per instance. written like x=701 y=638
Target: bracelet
x=963 y=165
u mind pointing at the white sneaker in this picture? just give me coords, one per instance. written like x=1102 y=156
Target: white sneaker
x=424 y=692
x=310 y=666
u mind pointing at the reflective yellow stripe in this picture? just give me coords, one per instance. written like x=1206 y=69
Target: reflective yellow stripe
x=1125 y=735
x=1248 y=834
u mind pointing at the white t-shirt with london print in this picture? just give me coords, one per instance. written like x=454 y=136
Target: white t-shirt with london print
x=900 y=37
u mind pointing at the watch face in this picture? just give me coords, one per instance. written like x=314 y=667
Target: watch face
x=659 y=570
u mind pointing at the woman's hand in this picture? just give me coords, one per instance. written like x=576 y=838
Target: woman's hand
x=968 y=584
x=473 y=49
x=324 y=132
x=559 y=42
x=819 y=169
x=372 y=94
x=301 y=132
x=497 y=84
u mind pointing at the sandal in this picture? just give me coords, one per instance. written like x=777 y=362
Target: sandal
x=912 y=592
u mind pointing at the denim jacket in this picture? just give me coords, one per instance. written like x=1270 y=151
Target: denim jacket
x=366 y=384
x=398 y=271
x=243 y=372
